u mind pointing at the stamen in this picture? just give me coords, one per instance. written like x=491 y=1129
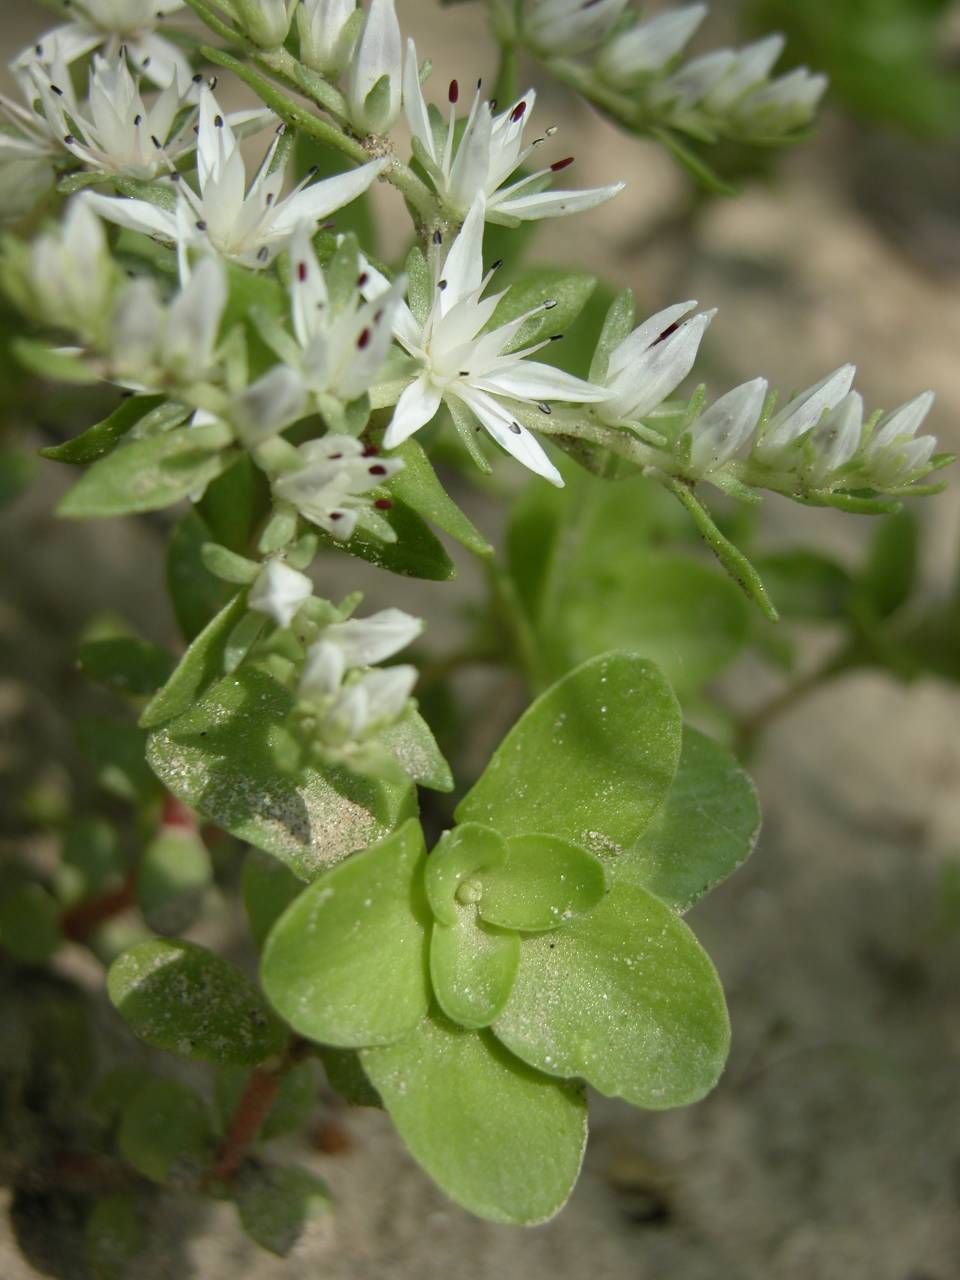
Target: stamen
x=561 y=164
x=198 y=78
x=301 y=271
x=551 y=131
x=555 y=337
x=364 y=340
x=156 y=142
x=336 y=515
x=371 y=451
x=378 y=469
x=218 y=121
x=57 y=90
x=453 y=92
x=69 y=139
x=518 y=112
x=666 y=333
x=201 y=225
x=549 y=304
x=362 y=279
x=383 y=504
x=263 y=253
x=137 y=120
x=516 y=428
x=441 y=285
x=437 y=237
x=544 y=407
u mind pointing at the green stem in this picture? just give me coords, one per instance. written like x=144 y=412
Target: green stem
x=212 y=20
x=511 y=612
x=506 y=85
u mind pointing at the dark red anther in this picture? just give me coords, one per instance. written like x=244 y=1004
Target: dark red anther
x=453 y=93
x=518 y=111
x=301 y=271
x=362 y=279
x=667 y=332
x=364 y=340
x=378 y=469
x=561 y=164
x=383 y=504
x=371 y=451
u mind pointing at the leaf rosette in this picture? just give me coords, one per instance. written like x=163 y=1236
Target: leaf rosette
x=538 y=947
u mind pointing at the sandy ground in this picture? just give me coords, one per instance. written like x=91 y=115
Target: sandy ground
x=832 y=1147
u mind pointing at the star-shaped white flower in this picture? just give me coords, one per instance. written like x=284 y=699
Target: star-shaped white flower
x=461 y=360
x=112 y=24
x=332 y=488
x=248 y=224
x=489 y=150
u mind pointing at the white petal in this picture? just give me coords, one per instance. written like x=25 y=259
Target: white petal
x=268 y=405
x=751 y=66
x=463 y=268
x=194 y=320
x=509 y=434
x=308 y=288
x=903 y=421
x=279 y=591
x=415 y=408
x=414 y=104
x=387 y=692
x=656 y=372
x=836 y=438
x=650 y=45
x=531 y=380
x=323 y=670
x=555 y=204
x=644 y=336
x=723 y=428
x=365 y=641
x=135 y=215
x=322 y=198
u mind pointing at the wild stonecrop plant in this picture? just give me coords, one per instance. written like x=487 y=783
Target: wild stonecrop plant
x=286 y=393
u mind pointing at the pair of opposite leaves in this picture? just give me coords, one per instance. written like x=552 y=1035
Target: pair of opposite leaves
x=483 y=982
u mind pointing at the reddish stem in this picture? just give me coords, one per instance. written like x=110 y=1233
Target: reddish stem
x=253 y=1108
x=79 y=922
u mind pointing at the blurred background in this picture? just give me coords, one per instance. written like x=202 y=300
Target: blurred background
x=831 y=1148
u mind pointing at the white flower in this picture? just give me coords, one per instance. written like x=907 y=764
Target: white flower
x=373 y=88
x=649 y=46
x=111 y=24
x=332 y=487
x=328 y=31
x=488 y=151
x=267 y=22
x=279 y=591
x=352 y=703
x=462 y=361
x=340 y=344
x=801 y=415
x=895 y=453
x=835 y=439
x=570 y=26
x=652 y=361
x=748 y=69
x=71 y=273
x=151 y=342
x=273 y=402
x=683 y=90
x=249 y=225
x=725 y=427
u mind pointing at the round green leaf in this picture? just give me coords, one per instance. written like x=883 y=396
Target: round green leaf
x=707 y=827
x=268 y=887
x=460 y=854
x=543 y=882
x=224 y=759
x=277 y=1203
x=623 y=997
x=346 y=963
x=164 y=1131
x=174 y=873
x=472 y=968
x=29 y=923
x=500 y=1139
x=590 y=761
x=180 y=997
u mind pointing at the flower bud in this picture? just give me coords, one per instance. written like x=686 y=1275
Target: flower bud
x=727 y=425
x=374 y=89
x=801 y=415
x=894 y=451
x=570 y=26
x=652 y=362
x=836 y=438
x=279 y=591
x=649 y=46
x=266 y=22
x=328 y=31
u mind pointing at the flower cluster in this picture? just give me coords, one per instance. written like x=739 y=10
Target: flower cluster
x=727 y=92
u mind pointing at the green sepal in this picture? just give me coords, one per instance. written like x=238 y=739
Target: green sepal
x=466 y=852
x=543 y=882
x=472 y=967
x=227 y=565
x=346 y=963
x=501 y=1140
x=635 y=1006
x=590 y=761
x=570 y=291
x=201 y=666
x=419 y=487
x=228 y=758
x=149 y=474
x=416 y=552
x=706 y=829
x=419 y=284
x=101 y=439
x=617 y=325
x=181 y=997
x=467 y=428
